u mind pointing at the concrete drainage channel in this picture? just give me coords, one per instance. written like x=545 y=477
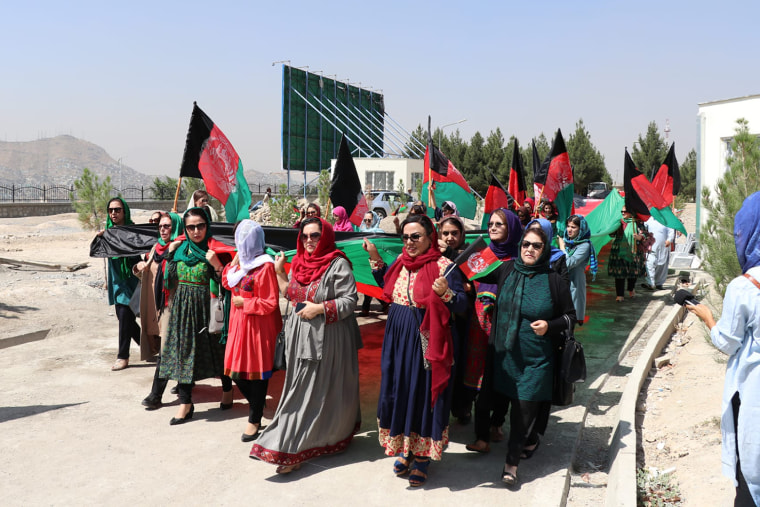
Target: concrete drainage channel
x=23 y=338
x=617 y=431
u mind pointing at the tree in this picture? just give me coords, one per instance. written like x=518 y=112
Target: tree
x=281 y=208
x=649 y=151
x=92 y=197
x=474 y=163
x=588 y=162
x=415 y=149
x=456 y=148
x=740 y=180
x=688 y=170
x=493 y=157
x=323 y=187
x=165 y=189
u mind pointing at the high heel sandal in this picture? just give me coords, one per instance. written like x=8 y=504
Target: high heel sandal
x=401 y=466
x=285 y=469
x=418 y=475
x=181 y=420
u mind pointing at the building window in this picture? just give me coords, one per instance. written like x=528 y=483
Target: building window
x=379 y=180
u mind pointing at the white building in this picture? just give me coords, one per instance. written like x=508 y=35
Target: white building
x=716 y=127
x=385 y=173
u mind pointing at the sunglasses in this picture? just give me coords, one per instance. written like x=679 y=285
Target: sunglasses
x=414 y=238
x=311 y=213
x=193 y=228
x=165 y=226
x=314 y=236
x=528 y=244
x=367 y=220
x=154 y=220
x=115 y=210
x=624 y=211
x=495 y=224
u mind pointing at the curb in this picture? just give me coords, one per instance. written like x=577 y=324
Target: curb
x=621 y=481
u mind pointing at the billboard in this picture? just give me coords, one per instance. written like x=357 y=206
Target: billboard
x=317 y=110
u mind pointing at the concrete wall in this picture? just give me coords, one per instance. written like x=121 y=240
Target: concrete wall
x=716 y=127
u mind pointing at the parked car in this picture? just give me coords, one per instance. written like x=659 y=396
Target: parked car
x=385 y=202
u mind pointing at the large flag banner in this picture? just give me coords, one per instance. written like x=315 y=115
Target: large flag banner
x=477 y=260
x=556 y=175
x=604 y=219
x=450 y=185
x=643 y=200
x=667 y=181
x=346 y=188
x=517 y=176
x=496 y=197
x=209 y=155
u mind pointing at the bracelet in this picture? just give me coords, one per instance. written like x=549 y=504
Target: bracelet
x=280 y=272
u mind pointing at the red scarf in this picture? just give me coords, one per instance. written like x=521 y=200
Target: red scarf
x=435 y=324
x=307 y=267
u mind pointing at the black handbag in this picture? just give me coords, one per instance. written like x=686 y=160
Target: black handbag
x=280 y=362
x=570 y=367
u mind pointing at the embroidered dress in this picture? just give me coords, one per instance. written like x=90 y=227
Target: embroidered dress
x=406 y=422
x=622 y=265
x=188 y=353
x=319 y=411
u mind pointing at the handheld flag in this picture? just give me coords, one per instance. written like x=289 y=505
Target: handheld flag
x=643 y=200
x=450 y=185
x=477 y=260
x=209 y=155
x=346 y=189
x=538 y=186
x=517 y=176
x=496 y=197
x=556 y=175
x=667 y=181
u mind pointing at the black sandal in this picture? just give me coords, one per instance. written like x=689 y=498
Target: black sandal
x=508 y=478
x=528 y=453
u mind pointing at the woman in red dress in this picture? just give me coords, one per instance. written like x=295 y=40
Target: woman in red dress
x=255 y=321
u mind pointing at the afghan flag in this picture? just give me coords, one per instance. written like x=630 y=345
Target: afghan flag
x=209 y=155
x=496 y=197
x=450 y=185
x=667 y=181
x=517 y=176
x=346 y=189
x=538 y=187
x=477 y=260
x=556 y=175
x=643 y=200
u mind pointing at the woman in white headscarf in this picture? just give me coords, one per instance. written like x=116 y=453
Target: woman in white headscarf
x=255 y=320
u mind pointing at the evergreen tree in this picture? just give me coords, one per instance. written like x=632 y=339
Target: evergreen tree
x=416 y=149
x=281 y=208
x=493 y=155
x=588 y=162
x=688 y=171
x=649 y=151
x=92 y=197
x=740 y=180
x=473 y=167
x=165 y=189
x=457 y=147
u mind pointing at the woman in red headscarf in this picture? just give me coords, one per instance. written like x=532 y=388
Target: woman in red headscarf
x=319 y=409
x=418 y=350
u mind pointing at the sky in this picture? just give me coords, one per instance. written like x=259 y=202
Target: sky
x=124 y=75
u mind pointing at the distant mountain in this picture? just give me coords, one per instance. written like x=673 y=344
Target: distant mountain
x=60 y=160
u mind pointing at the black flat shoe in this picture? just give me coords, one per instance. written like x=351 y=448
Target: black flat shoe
x=527 y=454
x=174 y=390
x=245 y=437
x=175 y=421
x=152 y=402
x=226 y=406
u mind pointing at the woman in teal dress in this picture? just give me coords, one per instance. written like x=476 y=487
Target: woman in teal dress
x=533 y=306
x=190 y=353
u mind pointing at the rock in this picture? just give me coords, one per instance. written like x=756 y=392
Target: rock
x=661 y=361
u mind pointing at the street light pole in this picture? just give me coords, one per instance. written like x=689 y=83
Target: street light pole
x=440 y=132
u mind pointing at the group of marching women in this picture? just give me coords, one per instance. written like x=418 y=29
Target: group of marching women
x=450 y=344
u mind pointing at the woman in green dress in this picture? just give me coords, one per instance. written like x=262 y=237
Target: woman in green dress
x=190 y=353
x=533 y=306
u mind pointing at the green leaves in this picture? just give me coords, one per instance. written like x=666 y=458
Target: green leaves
x=91 y=201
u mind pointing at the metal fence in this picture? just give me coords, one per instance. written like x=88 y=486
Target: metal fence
x=66 y=193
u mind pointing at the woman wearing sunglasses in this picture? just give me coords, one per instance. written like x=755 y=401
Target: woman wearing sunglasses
x=319 y=409
x=418 y=351
x=190 y=353
x=154 y=301
x=504 y=231
x=371 y=224
x=533 y=306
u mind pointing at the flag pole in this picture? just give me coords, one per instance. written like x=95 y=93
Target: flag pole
x=176 y=195
x=430 y=158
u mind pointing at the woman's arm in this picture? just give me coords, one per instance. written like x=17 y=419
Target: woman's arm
x=282 y=276
x=266 y=294
x=580 y=256
x=343 y=285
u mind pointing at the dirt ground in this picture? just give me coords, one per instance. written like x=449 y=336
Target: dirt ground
x=681 y=410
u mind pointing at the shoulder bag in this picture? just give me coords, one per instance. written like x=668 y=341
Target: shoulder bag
x=570 y=367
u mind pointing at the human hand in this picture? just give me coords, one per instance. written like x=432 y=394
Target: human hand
x=279 y=263
x=310 y=310
x=371 y=249
x=212 y=259
x=238 y=301
x=540 y=327
x=442 y=245
x=440 y=286
x=235 y=261
x=174 y=245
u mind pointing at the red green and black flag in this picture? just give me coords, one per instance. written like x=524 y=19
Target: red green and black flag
x=556 y=177
x=536 y=164
x=517 y=176
x=346 y=188
x=209 y=155
x=477 y=260
x=667 y=181
x=450 y=185
x=643 y=200
x=496 y=197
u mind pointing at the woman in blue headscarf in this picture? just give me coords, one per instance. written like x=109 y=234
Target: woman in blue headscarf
x=557 y=260
x=737 y=334
x=579 y=252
